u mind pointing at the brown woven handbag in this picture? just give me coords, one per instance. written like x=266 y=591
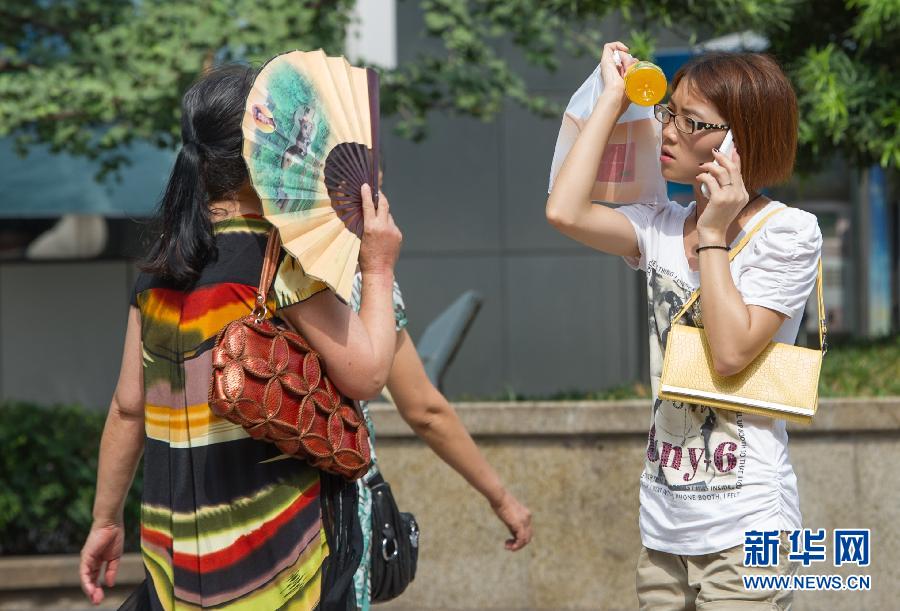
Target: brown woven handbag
x=270 y=381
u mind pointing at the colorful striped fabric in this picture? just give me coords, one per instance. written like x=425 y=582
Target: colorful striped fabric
x=222 y=525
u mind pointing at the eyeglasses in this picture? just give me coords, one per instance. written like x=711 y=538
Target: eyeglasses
x=683 y=123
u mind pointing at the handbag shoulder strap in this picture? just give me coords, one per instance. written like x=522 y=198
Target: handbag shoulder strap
x=270 y=262
x=734 y=252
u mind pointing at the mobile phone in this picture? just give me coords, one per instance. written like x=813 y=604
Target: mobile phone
x=725 y=148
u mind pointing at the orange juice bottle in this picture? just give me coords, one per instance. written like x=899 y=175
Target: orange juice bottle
x=645 y=83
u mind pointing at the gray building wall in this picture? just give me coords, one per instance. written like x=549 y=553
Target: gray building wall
x=62 y=328
x=470 y=201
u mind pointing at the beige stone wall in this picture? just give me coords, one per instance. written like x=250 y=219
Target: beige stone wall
x=577 y=466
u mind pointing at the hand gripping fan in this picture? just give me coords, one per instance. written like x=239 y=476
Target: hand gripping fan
x=310 y=142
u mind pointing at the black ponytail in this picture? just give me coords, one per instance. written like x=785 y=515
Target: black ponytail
x=209 y=167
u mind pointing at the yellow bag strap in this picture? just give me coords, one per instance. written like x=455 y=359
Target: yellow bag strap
x=734 y=252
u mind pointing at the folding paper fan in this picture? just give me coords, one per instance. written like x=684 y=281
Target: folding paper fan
x=310 y=142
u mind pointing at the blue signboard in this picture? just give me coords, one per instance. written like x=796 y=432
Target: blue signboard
x=879 y=253
x=44 y=184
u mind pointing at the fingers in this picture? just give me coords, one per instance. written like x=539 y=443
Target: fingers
x=393 y=227
x=736 y=161
x=608 y=55
x=112 y=567
x=726 y=161
x=371 y=212
x=722 y=175
x=516 y=543
x=732 y=166
x=87 y=582
x=89 y=570
x=368 y=206
x=521 y=531
x=522 y=538
x=614 y=46
x=381 y=238
x=529 y=532
x=711 y=183
x=384 y=206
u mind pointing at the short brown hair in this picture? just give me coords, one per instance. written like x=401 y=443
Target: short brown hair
x=757 y=100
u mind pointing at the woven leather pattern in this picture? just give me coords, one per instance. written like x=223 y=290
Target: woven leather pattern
x=270 y=381
x=782 y=373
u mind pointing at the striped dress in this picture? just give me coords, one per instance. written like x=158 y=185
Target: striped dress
x=221 y=526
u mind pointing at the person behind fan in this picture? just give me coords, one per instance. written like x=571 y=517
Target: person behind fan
x=433 y=420
x=709 y=475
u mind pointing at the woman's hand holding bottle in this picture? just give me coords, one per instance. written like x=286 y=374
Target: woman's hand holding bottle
x=613 y=75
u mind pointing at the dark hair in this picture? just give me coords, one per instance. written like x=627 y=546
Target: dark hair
x=209 y=167
x=756 y=99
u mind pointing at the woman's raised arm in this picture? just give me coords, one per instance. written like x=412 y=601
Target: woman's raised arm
x=358 y=349
x=569 y=206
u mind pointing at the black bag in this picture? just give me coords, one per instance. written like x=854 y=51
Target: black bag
x=340 y=519
x=395 y=543
x=139 y=600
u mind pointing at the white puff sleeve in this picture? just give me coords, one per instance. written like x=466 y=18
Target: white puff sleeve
x=780 y=270
x=643 y=217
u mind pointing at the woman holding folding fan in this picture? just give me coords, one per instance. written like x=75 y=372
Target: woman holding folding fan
x=224 y=522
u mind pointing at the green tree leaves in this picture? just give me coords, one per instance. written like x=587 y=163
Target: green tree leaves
x=88 y=77
x=842 y=57
x=48 y=457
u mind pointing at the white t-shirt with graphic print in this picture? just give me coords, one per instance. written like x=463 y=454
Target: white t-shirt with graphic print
x=711 y=475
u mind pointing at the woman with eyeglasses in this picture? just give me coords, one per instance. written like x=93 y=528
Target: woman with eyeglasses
x=710 y=476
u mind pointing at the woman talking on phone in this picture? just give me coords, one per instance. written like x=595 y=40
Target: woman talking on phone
x=709 y=475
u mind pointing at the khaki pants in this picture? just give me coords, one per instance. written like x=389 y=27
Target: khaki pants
x=669 y=582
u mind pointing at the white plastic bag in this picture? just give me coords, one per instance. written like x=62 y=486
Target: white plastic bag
x=629 y=170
